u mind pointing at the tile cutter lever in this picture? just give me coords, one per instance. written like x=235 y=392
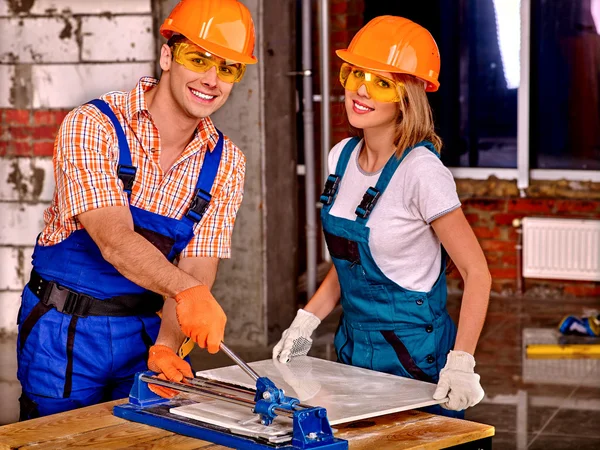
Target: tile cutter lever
x=269 y=398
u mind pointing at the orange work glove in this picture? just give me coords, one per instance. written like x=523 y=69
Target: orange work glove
x=201 y=317
x=169 y=366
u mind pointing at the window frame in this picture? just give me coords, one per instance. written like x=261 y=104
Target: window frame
x=523 y=174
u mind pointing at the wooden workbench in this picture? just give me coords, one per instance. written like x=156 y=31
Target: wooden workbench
x=95 y=427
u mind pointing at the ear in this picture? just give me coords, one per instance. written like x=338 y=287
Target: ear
x=166 y=57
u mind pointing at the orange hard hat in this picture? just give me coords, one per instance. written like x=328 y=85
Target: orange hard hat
x=397 y=45
x=224 y=27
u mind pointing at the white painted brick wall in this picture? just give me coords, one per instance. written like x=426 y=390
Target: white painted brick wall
x=7 y=73
x=20 y=223
x=123 y=38
x=63 y=53
x=37 y=40
x=65 y=86
x=26 y=172
x=10 y=301
x=16 y=267
x=42 y=7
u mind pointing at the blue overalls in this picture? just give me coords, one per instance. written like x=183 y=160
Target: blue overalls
x=384 y=326
x=83 y=337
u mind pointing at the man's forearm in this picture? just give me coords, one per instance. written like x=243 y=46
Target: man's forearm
x=139 y=261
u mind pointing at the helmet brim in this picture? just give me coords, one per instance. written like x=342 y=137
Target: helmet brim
x=368 y=63
x=215 y=49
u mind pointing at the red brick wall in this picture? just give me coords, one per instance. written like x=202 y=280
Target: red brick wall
x=491 y=220
x=26 y=132
x=346 y=20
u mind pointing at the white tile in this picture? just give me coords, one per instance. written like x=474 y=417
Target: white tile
x=38 y=40
x=347 y=393
x=117 y=38
x=20 y=223
x=45 y=7
x=10 y=301
x=7 y=73
x=26 y=179
x=70 y=85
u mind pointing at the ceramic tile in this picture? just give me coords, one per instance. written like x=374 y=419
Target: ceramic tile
x=347 y=393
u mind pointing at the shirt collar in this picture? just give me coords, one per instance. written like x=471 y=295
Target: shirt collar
x=206 y=132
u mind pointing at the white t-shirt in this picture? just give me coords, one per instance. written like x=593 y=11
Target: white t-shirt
x=402 y=241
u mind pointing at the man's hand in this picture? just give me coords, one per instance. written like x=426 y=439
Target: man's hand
x=201 y=317
x=459 y=382
x=169 y=366
x=296 y=341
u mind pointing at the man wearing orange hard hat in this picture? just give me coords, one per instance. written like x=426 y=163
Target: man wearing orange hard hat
x=147 y=191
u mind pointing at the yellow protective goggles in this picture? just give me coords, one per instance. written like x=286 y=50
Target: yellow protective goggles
x=199 y=60
x=380 y=88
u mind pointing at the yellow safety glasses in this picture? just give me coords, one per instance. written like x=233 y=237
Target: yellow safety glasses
x=199 y=60
x=380 y=88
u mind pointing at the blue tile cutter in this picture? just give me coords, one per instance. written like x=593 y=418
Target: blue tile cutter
x=311 y=429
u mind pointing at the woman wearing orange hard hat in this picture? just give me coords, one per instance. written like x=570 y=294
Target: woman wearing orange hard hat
x=390 y=213
x=143 y=179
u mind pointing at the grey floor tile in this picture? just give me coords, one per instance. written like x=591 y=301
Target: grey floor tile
x=563 y=442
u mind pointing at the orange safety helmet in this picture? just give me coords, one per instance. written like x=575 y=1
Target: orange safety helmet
x=222 y=27
x=397 y=45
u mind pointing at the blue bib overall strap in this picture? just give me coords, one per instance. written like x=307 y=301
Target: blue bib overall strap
x=374 y=193
x=125 y=170
x=332 y=183
x=206 y=180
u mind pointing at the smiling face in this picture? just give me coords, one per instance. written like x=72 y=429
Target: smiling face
x=364 y=112
x=198 y=94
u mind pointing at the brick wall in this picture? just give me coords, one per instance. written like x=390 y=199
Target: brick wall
x=492 y=220
x=54 y=55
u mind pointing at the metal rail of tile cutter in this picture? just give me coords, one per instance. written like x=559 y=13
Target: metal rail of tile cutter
x=310 y=428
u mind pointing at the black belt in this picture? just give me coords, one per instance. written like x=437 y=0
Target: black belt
x=67 y=301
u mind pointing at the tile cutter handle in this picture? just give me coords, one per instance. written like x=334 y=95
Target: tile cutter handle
x=240 y=362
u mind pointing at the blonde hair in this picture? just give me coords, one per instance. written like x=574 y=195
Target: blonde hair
x=414 y=122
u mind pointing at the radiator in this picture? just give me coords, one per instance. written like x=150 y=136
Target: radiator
x=566 y=249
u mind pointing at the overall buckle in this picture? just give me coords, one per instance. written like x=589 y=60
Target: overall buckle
x=331 y=187
x=368 y=202
x=127 y=175
x=66 y=301
x=199 y=205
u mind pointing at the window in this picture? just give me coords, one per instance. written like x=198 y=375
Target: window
x=565 y=84
x=506 y=106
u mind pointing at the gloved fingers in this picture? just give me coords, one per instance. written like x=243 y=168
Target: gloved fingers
x=184 y=368
x=213 y=341
x=199 y=337
x=442 y=389
x=456 y=402
x=285 y=354
x=162 y=391
x=300 y=346
x=476 y=396
x=277 y=348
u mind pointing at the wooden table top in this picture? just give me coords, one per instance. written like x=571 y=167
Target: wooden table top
x=95 y=427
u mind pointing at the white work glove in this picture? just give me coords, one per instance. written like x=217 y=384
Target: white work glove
x=296 y=341
x=459 y=382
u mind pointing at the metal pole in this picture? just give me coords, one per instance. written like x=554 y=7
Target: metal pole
x=309 y=153
x=239 y=361
x=325 y=102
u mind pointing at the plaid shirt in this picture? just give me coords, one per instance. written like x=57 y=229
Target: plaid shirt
x=85 y=171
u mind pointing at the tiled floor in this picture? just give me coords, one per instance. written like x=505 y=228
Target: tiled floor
x=526 y=414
